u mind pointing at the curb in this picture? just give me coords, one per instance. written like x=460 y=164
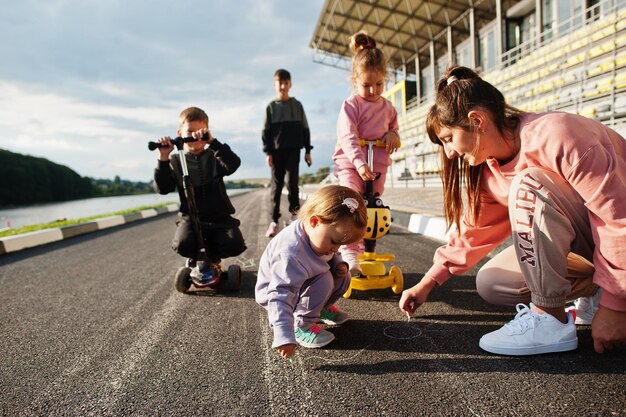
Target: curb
x=423 y=224
x=430 y=226
x=41 y=237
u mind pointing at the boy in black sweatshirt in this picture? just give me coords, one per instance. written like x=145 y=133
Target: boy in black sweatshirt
x=285 y=132
x=207 y=165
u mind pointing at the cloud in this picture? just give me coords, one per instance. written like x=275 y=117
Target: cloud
x=87 y=84
x=77 y=133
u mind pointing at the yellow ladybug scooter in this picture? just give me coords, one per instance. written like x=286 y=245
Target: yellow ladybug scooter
x=374 y=272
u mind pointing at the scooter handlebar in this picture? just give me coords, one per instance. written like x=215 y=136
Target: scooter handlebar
x=178 y=142
x=378 y=143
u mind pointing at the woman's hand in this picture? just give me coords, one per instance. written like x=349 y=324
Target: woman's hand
x=286 y=351
x=608 y=329
x=415 y=296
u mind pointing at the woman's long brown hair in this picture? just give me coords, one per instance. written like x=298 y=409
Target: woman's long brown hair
x=458 y=92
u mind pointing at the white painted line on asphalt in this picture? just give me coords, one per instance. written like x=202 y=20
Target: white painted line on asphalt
x=124 y=370
x=286 y=381
x=270 y=365
x=84 y=360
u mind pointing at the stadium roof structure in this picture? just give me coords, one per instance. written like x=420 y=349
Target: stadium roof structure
x=402 y=28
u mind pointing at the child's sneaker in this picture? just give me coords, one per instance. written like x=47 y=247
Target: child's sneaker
x=272 y=230
x=313 y=336
x=531 y=332
x=292 y=219
x=203 y=278
x=356 y=270
x=585 y=308
x=332 y=316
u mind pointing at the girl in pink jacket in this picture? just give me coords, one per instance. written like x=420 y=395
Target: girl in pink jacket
x=557 y=182
x=364 y=115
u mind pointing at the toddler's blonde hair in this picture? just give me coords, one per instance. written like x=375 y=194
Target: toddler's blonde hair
x=329 y=204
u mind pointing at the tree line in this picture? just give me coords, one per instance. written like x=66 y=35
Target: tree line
x=316 y=178
x=26 y=179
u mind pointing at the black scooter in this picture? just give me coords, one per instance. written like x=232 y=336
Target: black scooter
x=227 y=280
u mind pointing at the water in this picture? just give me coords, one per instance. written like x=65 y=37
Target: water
x=44 y=213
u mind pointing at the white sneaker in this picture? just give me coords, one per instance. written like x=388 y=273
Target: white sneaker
x=292 y=219
x=585 y=308
x=205 y=274
x=351 y=258
x=356 y=271
x=272 y=230
x=531 y=332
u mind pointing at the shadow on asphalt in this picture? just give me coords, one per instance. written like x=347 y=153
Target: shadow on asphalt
x=458 y=292
x=553 y=365
x=248 y=280
x=435 y=346
x=443 y=337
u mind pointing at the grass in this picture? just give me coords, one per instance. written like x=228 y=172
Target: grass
x=61 y=223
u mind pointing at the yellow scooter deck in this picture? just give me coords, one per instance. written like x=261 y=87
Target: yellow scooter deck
x=374 y=275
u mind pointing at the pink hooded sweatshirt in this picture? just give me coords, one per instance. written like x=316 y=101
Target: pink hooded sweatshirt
x=589 y=156
x=361 y=119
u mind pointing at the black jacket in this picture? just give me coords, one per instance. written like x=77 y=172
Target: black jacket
x=206 y=172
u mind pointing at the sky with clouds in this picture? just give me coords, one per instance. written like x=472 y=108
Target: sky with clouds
x=87 y=83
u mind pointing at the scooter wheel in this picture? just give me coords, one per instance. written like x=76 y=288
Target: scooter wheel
x=183 y=279
x=398 y=279
x=233 y=279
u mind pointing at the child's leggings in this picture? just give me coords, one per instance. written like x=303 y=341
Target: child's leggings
x=350 y=178
x=318 y=293
x=548 y=262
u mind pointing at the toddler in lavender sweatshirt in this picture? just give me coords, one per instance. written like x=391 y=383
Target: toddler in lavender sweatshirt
x=301 y=274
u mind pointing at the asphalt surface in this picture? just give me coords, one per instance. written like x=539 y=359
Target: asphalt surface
x=92 y=325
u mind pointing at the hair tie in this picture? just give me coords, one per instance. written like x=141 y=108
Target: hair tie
x=451 y=79
x=367 y=43
x=351 y=203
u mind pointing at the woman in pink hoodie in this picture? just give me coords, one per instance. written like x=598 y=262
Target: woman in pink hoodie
x=557 y=182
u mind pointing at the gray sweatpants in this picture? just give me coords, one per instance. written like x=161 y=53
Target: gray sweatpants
x=548 y=263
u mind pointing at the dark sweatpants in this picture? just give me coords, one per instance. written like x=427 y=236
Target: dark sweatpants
x=222 y=240
x=285 y=162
